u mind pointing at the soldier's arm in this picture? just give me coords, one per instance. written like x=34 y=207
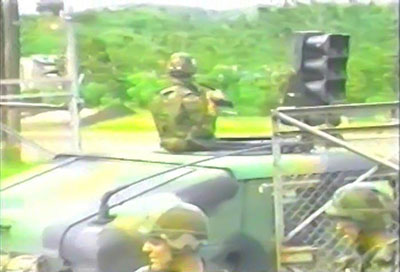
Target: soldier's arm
x=382 y=259
x=217 y=97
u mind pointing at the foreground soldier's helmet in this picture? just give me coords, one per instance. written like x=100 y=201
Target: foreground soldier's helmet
x=182 y=65
x=182 y=225
x=368 y=204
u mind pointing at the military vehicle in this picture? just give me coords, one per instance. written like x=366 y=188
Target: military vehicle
x=55 y=213
x=81 y=213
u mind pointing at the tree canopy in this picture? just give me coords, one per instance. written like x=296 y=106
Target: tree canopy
x=245 y=53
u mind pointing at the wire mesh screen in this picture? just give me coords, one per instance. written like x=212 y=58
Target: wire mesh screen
x=303 y=198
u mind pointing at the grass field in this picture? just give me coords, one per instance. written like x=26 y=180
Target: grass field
x=128 y=130
x=226 y=125
x=10 y=168
x=138 y=130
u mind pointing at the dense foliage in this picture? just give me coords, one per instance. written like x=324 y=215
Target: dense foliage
x=247 y=54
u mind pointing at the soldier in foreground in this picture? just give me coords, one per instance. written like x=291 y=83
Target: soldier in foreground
x=173 y=237
x=185 y=114
x=363 y=214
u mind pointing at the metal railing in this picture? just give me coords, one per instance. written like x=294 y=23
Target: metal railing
x=22 y=102
x=367 y=131
x=18 y=101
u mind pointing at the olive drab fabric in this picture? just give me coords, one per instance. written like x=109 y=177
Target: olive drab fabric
x=371 y=205
x=182 y=115
x=29 y=263
x=183 y=225
x=380 y=258
x=185 y=113
x=368 y=204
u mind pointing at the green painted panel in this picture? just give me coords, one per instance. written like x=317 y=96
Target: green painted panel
x=258 y=216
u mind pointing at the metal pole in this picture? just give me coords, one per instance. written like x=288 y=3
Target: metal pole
x=278 y=191
x=30 y=96
x=340 y=108
x=72 y=68
x=11 y=54
x=335 y=140
x=32 y=105
x=3 y=112
x=295 y=132
x=17 y=81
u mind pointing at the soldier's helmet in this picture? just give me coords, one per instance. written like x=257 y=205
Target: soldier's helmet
x=182 y=225
x=182 y=65
x=368 y=204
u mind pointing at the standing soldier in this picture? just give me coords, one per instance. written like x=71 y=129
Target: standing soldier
x=363 y=214
x=185 y=114
x=173 y=237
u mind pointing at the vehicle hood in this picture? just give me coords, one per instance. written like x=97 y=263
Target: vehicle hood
x=73 y=185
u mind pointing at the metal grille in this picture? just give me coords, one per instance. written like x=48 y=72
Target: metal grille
x=300 y=200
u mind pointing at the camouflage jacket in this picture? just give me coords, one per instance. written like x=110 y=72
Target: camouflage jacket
x=183 y=113
x=197 y=268
x=381 y=258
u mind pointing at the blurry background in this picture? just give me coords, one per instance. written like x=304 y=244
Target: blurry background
x=245 y=52
x=242 y=47
x=29 y=6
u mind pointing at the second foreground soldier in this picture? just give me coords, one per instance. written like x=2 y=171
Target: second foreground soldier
x=173 y=237
x=185 y=113
x=363 y=214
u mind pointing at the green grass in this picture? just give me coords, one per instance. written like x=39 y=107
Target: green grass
x=139 y=122
x=142 y=122
x=10 y=168
x=243 y=126
x=226 y=126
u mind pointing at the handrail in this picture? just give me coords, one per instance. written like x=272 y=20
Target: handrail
x=16 y=81
x=36 y=95
x=33 y=105
x=335 y=140
x=339 y=107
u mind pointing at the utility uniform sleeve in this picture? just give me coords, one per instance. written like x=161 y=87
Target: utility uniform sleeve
x=382 y=258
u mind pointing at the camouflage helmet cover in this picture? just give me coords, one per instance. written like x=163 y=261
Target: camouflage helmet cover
x=181 y=225
x=366 y=202
x=181 y=64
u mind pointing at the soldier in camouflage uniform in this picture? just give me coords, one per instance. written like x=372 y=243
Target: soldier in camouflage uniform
x=173 y=236
x=363 y=213
x=185 y=114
